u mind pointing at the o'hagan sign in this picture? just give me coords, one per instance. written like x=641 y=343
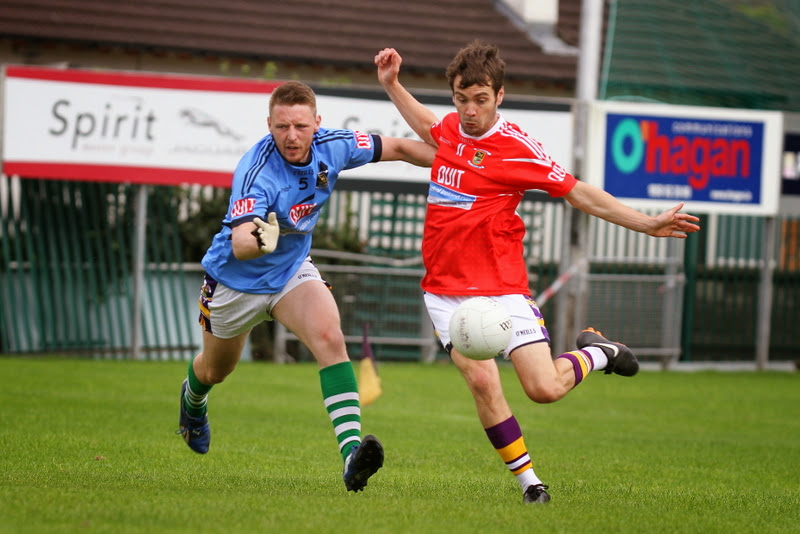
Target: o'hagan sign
x=715 y=160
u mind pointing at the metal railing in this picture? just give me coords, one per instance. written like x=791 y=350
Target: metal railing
x=71 y=278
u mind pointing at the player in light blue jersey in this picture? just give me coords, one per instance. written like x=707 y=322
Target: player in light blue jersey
x=258 y=267
x=265 y=182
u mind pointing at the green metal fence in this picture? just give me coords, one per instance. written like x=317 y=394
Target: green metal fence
x=66 y=270
x=69 y=275
x=724 y=266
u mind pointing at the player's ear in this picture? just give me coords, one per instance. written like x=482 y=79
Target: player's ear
x=500 y=94
x=317 y=123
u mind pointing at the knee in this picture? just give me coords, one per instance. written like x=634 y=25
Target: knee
x=210 y=371
x=326 y=342
x=544 y=393
x=482 y=383
x=332 y=338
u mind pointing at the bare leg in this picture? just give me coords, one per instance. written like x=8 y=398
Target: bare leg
x=219 y=357
x=543 y=379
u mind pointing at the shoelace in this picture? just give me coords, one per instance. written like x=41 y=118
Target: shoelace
x=541 y=488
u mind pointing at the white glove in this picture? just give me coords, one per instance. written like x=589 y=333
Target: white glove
x=266 y=233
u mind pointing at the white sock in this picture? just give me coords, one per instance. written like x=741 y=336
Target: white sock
x=598 y=357
x=527 y=478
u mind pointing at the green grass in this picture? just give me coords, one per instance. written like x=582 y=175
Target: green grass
x=89 y=446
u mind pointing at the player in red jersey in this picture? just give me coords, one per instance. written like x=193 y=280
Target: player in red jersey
x=472 y=242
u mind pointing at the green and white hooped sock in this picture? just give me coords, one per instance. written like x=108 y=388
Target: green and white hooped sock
x=340 y=394
x=195 y=399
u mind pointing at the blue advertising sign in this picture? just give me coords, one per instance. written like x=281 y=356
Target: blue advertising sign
x=679 y=158
x=713 y=159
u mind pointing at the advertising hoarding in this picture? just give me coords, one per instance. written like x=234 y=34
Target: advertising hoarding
x=715 y=160
x=165 y=129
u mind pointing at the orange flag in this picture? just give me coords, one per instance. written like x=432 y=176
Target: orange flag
x=369 y=383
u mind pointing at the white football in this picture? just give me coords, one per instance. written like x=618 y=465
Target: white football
x=480 y=328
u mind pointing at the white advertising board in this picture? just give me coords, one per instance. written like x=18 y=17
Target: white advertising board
x=164 y=129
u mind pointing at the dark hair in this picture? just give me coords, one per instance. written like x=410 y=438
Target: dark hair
x=477 y=64
x=291 y=94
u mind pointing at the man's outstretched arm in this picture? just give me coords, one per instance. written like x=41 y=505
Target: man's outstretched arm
x=418 y=117
x=599 y=203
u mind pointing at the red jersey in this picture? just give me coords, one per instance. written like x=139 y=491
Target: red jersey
x=472 y=243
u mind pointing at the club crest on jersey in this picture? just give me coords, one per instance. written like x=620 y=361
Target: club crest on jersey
x=322 y=178
x=299 y=211
x=478 y=157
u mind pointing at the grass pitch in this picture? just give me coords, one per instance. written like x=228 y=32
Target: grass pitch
x=89 y=446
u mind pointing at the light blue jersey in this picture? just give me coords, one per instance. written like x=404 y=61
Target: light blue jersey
x=265 y=182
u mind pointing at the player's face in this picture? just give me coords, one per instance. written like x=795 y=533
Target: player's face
x=476 y=106
x=293 y=128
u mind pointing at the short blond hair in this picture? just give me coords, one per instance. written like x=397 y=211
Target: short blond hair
x=292 y=94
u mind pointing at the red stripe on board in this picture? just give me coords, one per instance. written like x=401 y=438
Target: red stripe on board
x=116 y=173
x=132 y=79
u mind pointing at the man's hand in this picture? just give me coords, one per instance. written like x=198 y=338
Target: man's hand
x=388 y=62
x=416 y=115
x=671 y=223
x=266 y=233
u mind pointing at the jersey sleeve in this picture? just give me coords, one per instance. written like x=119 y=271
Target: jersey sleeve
x=548 y=176
x=364 y=148
x=251 y=197
x=528 y=166
x=436 y=131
